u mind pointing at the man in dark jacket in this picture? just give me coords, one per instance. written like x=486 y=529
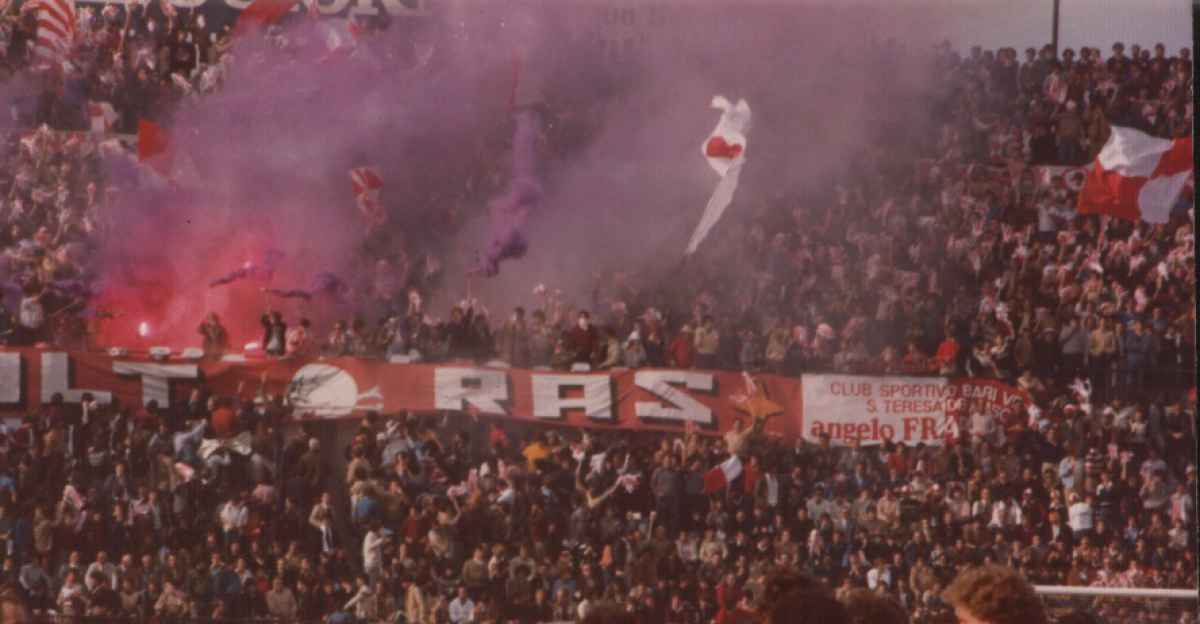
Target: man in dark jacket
x=1139 y=350
x=274 y=334
x=512 y=343
x=461 y=333
x=583 y=339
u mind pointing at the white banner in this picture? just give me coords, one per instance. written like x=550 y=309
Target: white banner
x=873 y=409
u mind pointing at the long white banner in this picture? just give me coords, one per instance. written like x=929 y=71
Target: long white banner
x=907 y=410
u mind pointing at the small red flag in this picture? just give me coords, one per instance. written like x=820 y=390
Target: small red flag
x=262 y=13
x=153 y=147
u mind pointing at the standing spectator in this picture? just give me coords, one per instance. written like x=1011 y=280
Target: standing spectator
x=682 y=350
x=32 y=317
x=372 y=550
x=274 y=341
x=1073 y=343
x=215 y=337
x=1102 y=348
x=513 y=340
x=667 y=485
x=1080 y=514
x=584 y=340
x=1139 y=351
x=298 y=340
x=707 y=343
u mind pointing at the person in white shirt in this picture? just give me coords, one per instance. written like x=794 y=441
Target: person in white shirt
x=881 y=573
x=819 y=505
x=1153 y=464
x=31 y=316
x=462 y=608
x=1183 y=506
x=1079 y=514
x=1067 y=469
x=372 y=551
x=1177 y=537
x=71 y=594
x=104 y=569
x=1000 y=514
x=234 y=516
x=365 y=603
x=688 y=547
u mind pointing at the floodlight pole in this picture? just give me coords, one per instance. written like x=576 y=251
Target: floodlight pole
x=1054 y=33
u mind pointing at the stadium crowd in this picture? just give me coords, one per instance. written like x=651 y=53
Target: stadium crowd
x=949 y=258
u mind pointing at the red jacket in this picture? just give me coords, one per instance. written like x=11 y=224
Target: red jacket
x=729 y=613
x=947 y=351
x=682 y=352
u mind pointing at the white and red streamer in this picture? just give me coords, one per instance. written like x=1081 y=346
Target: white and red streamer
x=725 y=150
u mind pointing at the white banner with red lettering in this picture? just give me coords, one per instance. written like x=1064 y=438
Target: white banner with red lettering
x=906 y=410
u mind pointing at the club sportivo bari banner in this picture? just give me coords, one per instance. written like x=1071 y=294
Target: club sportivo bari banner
x=906 y=410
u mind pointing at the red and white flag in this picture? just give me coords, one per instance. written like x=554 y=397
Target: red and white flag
x=1137 y=176
x=55 y=29
x=260 y=14
x=366 y=184
x=725 y=150
x=102 y=116
x=720 y=476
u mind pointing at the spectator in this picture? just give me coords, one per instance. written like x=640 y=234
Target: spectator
x=215 y=337
x=281 y=602
x=994 y=595
x=462 y=608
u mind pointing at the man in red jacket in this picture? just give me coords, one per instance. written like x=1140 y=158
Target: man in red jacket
x=682 y=352
x=947 y=355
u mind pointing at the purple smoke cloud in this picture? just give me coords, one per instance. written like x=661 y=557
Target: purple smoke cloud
x=510 y=212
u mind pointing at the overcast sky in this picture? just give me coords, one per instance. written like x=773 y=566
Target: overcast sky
x=1096 y=23
x=988 y=23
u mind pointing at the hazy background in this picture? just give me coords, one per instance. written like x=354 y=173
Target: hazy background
x=272 y=150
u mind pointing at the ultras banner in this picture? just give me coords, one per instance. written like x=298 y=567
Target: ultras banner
x=320 y=388
x=906 y=410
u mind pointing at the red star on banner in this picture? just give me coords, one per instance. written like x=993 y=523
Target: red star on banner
x=754 y=401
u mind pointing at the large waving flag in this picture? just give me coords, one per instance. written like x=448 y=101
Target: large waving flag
x=725 y=150
x=1137 y=176
x=367 y=184
x=55 y=28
